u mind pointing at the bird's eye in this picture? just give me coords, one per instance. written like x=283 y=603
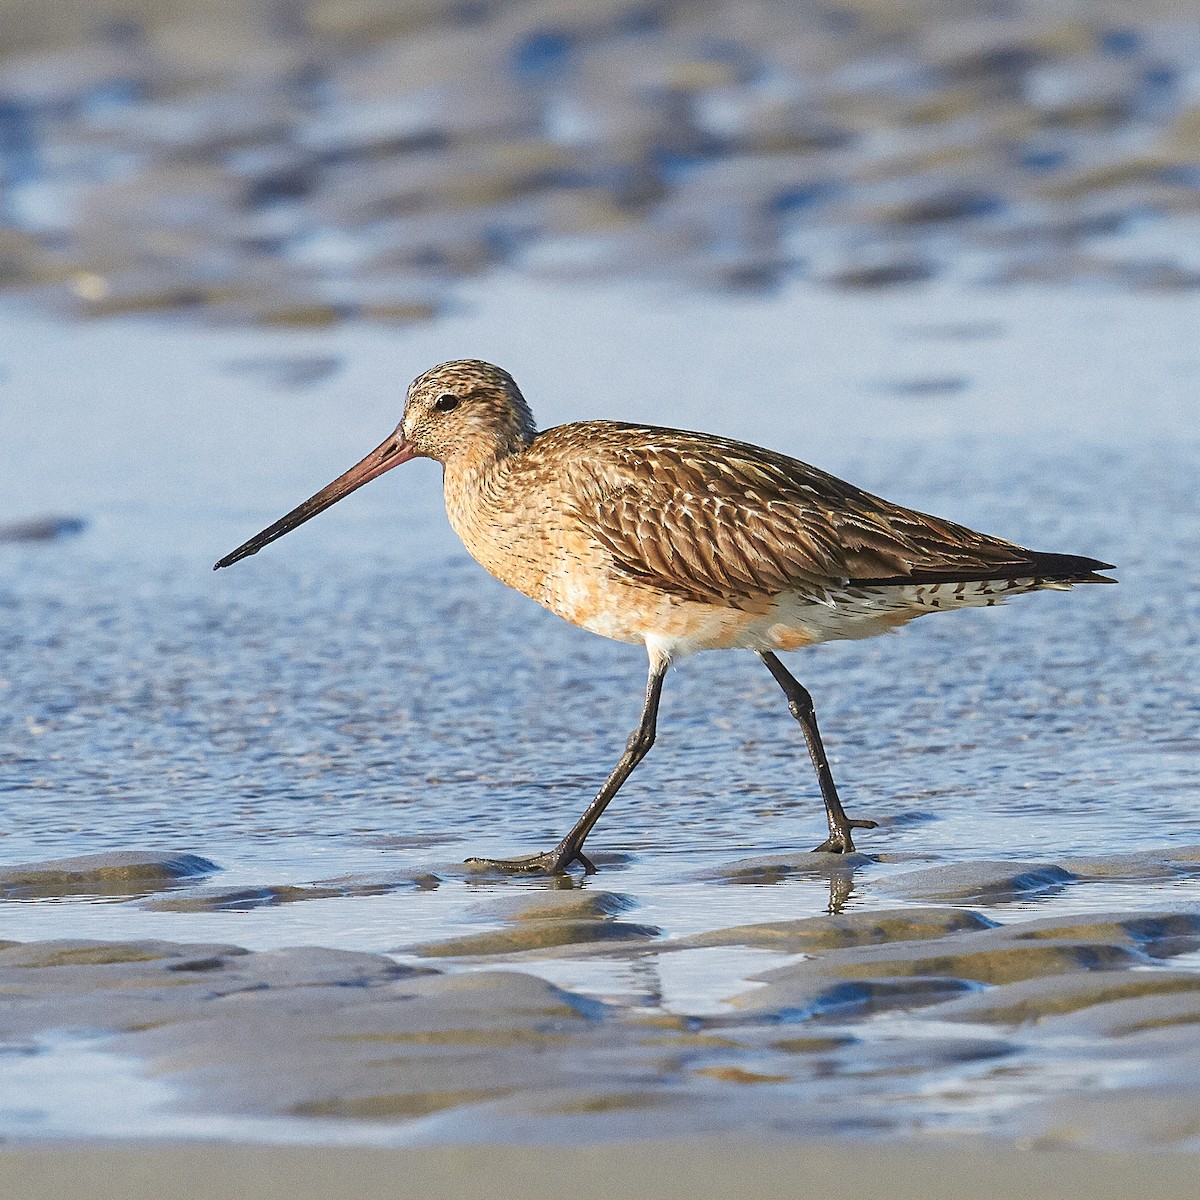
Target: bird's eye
x=445 y=402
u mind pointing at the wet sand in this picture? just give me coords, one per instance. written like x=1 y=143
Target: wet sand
x=924 y=1017
x=651 y=1170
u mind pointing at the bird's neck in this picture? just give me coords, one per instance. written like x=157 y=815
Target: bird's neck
x=474 y=480
x=475 y=459
x=488 y=504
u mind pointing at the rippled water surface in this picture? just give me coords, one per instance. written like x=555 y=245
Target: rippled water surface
x=362 y=698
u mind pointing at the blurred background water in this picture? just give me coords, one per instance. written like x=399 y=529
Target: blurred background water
x=301 y=163
x=945 y=250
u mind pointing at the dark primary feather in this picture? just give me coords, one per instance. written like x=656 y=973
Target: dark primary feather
x=714 y=519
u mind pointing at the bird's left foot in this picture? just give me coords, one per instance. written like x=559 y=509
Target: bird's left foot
x=552 y=862
x=839 y=840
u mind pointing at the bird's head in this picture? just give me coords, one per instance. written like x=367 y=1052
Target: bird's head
x=465 y=407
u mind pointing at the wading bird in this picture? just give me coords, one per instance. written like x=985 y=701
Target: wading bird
x=682 y=542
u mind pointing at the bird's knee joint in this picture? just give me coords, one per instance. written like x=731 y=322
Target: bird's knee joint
x=640 y=742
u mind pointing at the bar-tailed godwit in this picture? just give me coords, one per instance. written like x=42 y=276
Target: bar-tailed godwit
x=682 y=542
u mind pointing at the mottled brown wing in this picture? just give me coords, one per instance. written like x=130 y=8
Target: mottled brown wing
x=714 y=519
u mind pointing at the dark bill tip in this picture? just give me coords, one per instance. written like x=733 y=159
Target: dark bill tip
x=384 y=457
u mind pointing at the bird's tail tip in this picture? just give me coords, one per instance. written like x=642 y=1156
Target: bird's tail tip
x=1069 y=569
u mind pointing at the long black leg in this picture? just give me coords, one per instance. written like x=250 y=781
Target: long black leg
x=801 y=706
x=570 y=849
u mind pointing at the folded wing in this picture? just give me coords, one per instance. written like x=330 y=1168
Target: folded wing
x=721 y=521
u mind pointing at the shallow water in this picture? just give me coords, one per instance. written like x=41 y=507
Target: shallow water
x=361 y=699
